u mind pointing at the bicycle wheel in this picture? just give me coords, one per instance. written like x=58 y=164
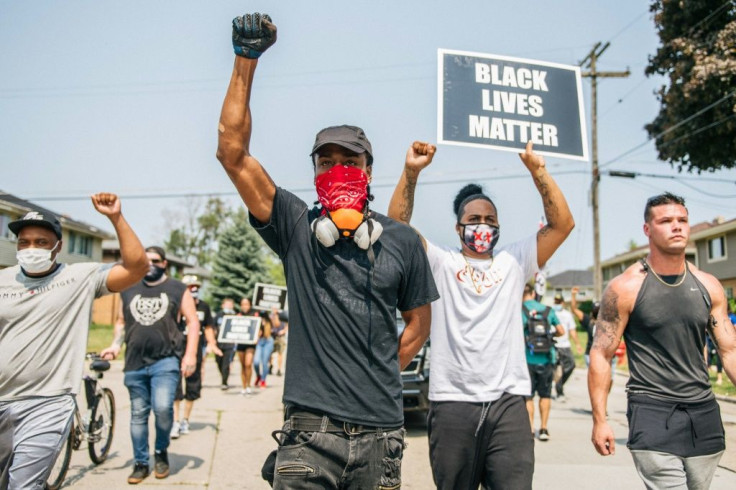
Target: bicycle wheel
x=101 y=427
x=58 y=471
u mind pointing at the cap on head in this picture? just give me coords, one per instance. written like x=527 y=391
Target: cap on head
x=351 y=137
x=191 y=280
x=559 y=298
x=37 y=218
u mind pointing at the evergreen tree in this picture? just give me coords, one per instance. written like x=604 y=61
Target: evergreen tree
x=240 y=263
x=697 y=55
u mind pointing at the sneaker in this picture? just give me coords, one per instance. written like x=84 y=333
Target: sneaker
x=184 y=426
x=562 y=398
x=262 y=383
x=161 y=467
x=246 y=391
x=175 y=430
x=224 y=387
x=278 y=373
x=543 y=435
x=140 y=471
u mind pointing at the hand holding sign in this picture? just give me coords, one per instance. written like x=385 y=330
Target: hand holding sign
x=419 y=155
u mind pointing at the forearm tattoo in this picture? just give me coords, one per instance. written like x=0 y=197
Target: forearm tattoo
x=408 y=208
x=551 y=211
x=606 y=325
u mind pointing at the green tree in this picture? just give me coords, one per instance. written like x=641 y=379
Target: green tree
x=697 y=54
x=197 y=226
x=241 y=261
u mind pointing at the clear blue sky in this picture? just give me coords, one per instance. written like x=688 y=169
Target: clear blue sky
x=125 y=97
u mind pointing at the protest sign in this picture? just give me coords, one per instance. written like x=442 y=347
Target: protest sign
x=501 y=102
x=236 y=329
x=266 y=296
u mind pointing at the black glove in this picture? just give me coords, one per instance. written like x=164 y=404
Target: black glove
x=253 y=34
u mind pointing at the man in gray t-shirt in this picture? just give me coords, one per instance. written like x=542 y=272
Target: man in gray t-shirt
x=45 y=310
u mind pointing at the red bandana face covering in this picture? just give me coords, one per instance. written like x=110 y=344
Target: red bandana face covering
x=342 y=187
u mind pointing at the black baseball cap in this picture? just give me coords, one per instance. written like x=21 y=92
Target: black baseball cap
x=351 y=137
x=37 y=218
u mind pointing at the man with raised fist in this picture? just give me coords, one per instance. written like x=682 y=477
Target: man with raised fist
x=45 y=311
x=348 y=269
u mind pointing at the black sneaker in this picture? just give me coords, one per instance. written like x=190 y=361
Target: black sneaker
x=140 y=471
x=161 y=467
x=543 y=435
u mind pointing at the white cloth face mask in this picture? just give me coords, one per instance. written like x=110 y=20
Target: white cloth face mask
x=36 y=260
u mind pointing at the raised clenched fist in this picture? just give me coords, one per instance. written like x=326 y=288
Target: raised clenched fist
x=253 y=34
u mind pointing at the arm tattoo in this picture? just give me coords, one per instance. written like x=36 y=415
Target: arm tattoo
x=408 y=208
x=550 y=208
x=607 y=323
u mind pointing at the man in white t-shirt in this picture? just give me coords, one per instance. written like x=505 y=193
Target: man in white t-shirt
x=478 y=425
x=565 y=356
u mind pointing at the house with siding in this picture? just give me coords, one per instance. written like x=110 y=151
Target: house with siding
x=563 y=283
x=716 y=252
x=614 y=266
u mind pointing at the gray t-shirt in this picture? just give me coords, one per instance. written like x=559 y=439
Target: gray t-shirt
x=43 y=328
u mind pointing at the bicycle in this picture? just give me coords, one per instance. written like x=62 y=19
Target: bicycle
x=96 y=425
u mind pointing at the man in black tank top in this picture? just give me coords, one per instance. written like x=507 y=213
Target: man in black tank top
x=662 y=306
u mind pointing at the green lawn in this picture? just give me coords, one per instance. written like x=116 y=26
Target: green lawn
x=100 y=337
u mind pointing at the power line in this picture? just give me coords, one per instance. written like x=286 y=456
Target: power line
x=708 y=17
x=671 y=128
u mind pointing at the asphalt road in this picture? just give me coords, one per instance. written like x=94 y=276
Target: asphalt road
x=231 y=436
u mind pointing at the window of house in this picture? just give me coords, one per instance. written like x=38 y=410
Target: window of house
x=717 y=248
x=80 y=244
x=4 y=230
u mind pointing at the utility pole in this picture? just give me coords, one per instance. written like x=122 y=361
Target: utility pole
x=590 y=63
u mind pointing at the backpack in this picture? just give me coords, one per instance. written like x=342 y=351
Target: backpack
x=538 y=338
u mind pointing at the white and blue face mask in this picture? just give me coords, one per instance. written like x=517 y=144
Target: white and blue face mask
x=36 y=260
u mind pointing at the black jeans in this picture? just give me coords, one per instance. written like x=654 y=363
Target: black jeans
x=223 y=361
x=566 y=360
x=474 y=443
x=321 y=459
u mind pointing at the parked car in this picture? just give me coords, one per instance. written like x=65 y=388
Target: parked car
x=415 y=379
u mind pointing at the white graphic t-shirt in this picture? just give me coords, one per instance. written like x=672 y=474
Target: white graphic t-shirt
x=477 y=334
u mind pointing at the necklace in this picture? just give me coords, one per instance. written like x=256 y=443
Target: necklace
x=684 y=274
x=471 y=272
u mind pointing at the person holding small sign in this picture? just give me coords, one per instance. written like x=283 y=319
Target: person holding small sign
x=348 y=269
x=479 y=430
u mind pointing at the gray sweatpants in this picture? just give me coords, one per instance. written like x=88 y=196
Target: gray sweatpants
x=32 y=432
x=663 y=470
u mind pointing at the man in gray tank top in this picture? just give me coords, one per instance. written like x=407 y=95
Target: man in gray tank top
x=662 y=306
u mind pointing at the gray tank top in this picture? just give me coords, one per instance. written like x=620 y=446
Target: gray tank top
x=665 y=337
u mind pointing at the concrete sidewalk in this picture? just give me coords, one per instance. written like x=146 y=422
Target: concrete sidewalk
x=231 y=436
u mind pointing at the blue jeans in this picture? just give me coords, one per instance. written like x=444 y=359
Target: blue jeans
x=264 y=349
x=154 y=387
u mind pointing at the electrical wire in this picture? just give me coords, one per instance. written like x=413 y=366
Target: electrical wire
x=670 y=129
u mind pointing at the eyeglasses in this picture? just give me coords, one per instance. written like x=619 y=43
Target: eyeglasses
x=156 y=261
